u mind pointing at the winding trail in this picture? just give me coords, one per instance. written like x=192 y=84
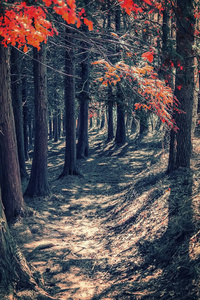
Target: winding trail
x=82 y=238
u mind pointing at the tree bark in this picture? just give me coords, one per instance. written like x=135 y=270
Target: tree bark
x=50 y=126
x=102 y=119
x=83 y=144
x=25 y=116
x=17 y=108
x=55 y=125
x=38 y=183
x=184 y=85
x=70 y=167
x=120 y=137
x=9 y=164
x=13 y=267
x=110 y=120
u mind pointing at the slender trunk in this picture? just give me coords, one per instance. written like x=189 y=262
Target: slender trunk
x=98 y=117
x=63 y=125
x=167 y=76
x=59 y=124
x=25 y=116
x=110 y=114
x=91 y=122
x=70 y=124
x=102 y=120
x=50 y=127
x=83 y=145
x=120 y=137
x=38 y=183
x=9 y=164
x=30 y=131
x=55 y=125
x=109 y=92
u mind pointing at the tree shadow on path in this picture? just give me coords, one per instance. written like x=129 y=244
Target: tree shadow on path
x=167 y=270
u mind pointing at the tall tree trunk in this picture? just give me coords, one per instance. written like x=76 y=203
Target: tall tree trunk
x=102 y=119
x=91 y=122
x=25 y=116
x=70 y=124
x=184 y=85
x=38 y=183
x=167 y=74
x=110 y=115
x=98 y=111
x=55 y=125
x=83 y=144
x=30 y=131
x=59 y=124
x=17 y=108
x=110 y=95
x=120 y=137
x=9 y=164
x=50 y=126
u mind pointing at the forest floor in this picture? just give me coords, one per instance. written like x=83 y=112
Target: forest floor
x=123 y=230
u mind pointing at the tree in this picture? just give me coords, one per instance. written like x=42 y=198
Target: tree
x=83 y=144
x=24 y=24
x=120 y=137
x=110 y=114
x=184 y=86
x=38 y=183
x=26 y=116
x=9 y=165
x=70 y=167
x=17 y=107
x=13 y=268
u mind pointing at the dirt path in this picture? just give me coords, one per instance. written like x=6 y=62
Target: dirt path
x=91 y=238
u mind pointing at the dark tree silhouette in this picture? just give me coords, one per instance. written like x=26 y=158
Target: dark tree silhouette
x=83 y=145
x=17 y=107
x=180 y=147
x=9 y=165
x=25 y=116
x=110 y=114
x=70 y=123
x=38 y=183
x=120 y=137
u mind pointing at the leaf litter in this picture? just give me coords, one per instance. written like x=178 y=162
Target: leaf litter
x=123 y=230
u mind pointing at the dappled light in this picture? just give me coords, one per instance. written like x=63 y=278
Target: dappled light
x=112 y=233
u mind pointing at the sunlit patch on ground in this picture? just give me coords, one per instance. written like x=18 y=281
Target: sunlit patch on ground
x=118 y=231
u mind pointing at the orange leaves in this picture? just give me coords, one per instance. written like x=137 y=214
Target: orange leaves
x=129 y=6
x=24 y=24
x=88 y=23
x=67 y=9
x=155 y=94
x=148 y=56
x=147 y=2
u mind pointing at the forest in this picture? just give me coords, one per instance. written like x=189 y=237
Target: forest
x=99 y=149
